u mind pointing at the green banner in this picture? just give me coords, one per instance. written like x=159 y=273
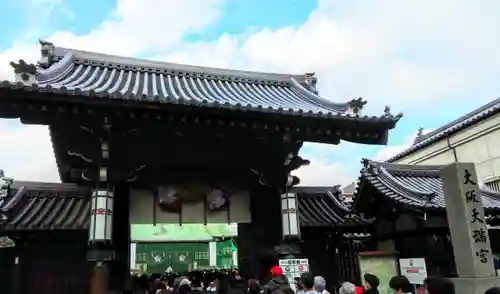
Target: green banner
x=177 y=257
x=225 y=251
x=181 y=233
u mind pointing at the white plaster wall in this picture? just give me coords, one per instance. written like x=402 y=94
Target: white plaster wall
x=142 y=206
x=479 y=144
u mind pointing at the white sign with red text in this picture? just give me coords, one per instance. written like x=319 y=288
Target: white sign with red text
x=293 y=268
x=413 y=269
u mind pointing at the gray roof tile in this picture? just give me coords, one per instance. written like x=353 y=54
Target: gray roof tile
x=412 y=185
x=325 y=206
x=45 y=206
x=451 y=128
x=75 y=72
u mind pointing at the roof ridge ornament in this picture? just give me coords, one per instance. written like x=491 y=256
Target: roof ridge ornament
x=311 y=81
x=25 y=73
x=420 y=131
x=420 y=135
x=368 y=166
x=47 y=54
x=5 y=184
x=388 y=114
x=356 y=106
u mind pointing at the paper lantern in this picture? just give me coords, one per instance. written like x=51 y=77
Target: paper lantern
x=101 y=216
x=290 y=218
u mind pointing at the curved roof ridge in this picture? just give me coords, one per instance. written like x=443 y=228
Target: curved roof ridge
x=491 y=194
x=317 y=99
x=56 y=70
x=399 y=167
x=383 y=171
x=9 y=203
x=83 y=55
x=450 y=128
x=400 y=185
x=340 y=204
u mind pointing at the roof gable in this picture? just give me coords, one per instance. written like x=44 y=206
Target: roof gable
x=418 y=186
x=461 y=123
x=325 y=207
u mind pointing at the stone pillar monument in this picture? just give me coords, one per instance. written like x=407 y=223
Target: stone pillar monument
x=469 y=234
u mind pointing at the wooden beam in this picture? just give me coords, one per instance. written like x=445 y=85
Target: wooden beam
x=36 y=110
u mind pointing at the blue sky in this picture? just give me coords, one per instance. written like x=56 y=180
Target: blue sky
x=432 y=61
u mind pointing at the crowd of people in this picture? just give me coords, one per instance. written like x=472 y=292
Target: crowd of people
x=231 y=282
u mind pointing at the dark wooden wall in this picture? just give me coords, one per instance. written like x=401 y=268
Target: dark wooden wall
x=320 y=248
x=7 y=268
x=53 y=263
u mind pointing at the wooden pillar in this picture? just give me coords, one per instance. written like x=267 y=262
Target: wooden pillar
x=99 y=279
x=257 y=239
x=16 y=276
x=120 y=269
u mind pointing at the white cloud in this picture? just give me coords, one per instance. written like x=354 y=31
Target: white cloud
x=323 y=172
x=379 y=50
x=139 y=26
x=17 y=51
x=391 y=151
x=407 y=54
x=26 y=152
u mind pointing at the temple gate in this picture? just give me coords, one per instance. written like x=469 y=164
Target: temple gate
x=138 y=139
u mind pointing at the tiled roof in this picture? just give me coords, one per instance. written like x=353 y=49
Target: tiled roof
x=89 y=74
x=412 y=185
x=451 y=128
x=324 y=206
x=45 y=206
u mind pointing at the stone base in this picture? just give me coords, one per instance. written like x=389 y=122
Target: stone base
x=475 y=285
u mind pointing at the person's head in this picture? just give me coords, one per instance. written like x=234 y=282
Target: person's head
x=276 y=271
x=400 y=284
x=347 y=288
x=185 y=288
x=370 y=281
x=253 y=286
x=159 y=285
x=236 y=274
x=298 y=284
x=494 y=290
x=307 y=281
x=439 y=285
x=319 y=283
x=196 y=283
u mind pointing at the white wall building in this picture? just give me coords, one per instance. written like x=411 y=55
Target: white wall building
x=474 y=137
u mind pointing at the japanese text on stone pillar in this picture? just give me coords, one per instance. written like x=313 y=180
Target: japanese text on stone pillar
x=476 y=218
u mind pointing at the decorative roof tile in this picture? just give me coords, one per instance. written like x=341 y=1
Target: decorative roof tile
x=461 y=123
x=45 y=206
x=89 y=74
x=413 y=185
x=325 y=206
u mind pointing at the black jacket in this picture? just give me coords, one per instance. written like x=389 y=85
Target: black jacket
x=371 y=291
x=276 y=283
